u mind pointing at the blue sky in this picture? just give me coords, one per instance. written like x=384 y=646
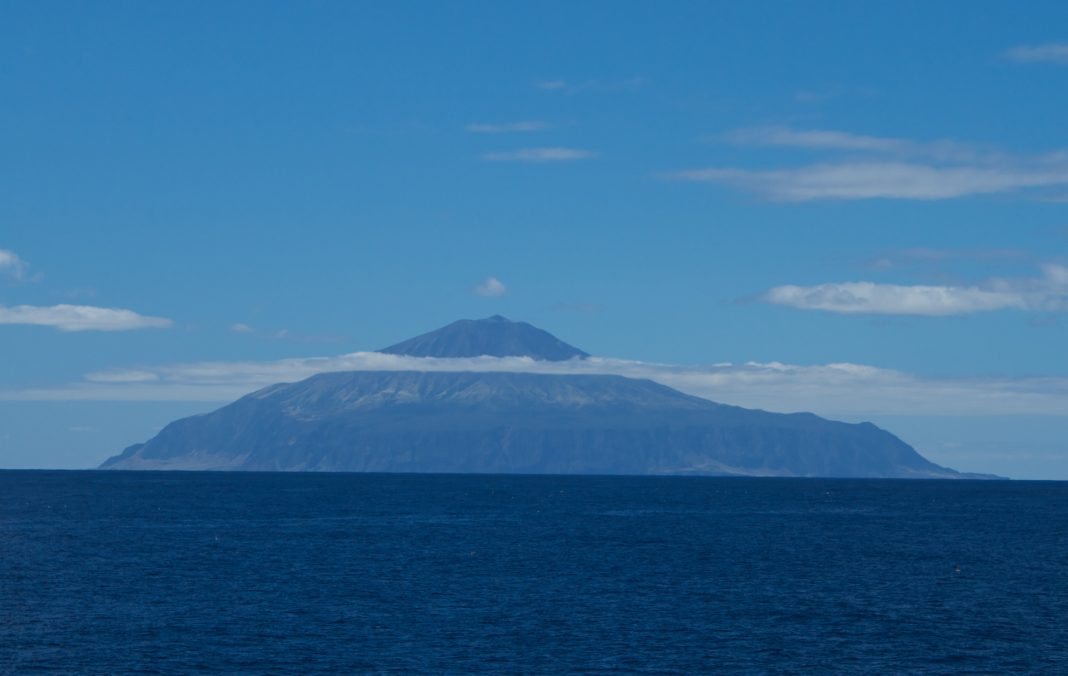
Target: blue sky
x=883 y=186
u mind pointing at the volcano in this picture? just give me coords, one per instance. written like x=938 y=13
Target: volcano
x=517 y=423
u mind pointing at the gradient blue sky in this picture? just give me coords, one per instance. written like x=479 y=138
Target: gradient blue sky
x=878 y=185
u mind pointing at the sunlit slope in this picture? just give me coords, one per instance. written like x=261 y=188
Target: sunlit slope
x=409 y=421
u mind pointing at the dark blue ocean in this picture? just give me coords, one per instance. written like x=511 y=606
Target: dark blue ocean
x=112 y=572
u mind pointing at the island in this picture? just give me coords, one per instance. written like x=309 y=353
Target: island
x=514 y=423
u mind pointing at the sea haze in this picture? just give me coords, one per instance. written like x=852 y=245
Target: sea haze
x=316 y=573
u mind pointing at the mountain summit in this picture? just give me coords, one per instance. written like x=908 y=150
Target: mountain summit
x=494 y=336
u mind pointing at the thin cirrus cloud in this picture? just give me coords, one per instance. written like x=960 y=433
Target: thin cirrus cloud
x=831 y=140
x=1048 y=53
x=888 y=168
x=922 y=256
x=870 y=180
x=1048 y=293
x=80 y=318
x=122 y=376
x=593 y=86
x=490 y=287
x=536 y=155
x=777 y=135
x=836 y=389
x=508 y=127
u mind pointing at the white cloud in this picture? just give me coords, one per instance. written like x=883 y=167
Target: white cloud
x=491 y=286
x=834 y=390
x=891 y=168
x=122 y=376
x=12 y=266
x=539 y=155
x=1046 y=293
x=80 y=318
x=814 y=138
x=834 y=140
x=892 y=299
x=241 y=328
x=593 y=86
x=1048 y=53
x=523 y=126
x=67 y=317
x=868 y=180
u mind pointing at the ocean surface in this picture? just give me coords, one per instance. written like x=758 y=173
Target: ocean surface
x=116 y=572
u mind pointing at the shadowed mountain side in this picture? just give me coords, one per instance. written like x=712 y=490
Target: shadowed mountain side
x=410 y=421
x=495 y=336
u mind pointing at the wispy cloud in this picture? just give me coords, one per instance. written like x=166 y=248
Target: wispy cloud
x=835 y=390
x=814 y=138
x=551 y=85
x=595 y=86
x=812 y=96
x=122 y=376
x=540 y=155
x=920 y=256
x=508 y=127
x=891 y=180
x=81 y=292
x=822 y=94
x=1054 y=52
x=286 y=334
x=847 y=142
x=870 y=167
x=80 y=318
x=491 y=287
x=1048 y=293
x=12 y=266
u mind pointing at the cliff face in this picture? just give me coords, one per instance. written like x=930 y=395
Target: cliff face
x=408 y=421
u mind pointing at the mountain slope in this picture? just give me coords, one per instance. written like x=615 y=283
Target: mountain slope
x=408 y=421
x=495 y=337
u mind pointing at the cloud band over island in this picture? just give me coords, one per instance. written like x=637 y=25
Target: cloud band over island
x=837 y=389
